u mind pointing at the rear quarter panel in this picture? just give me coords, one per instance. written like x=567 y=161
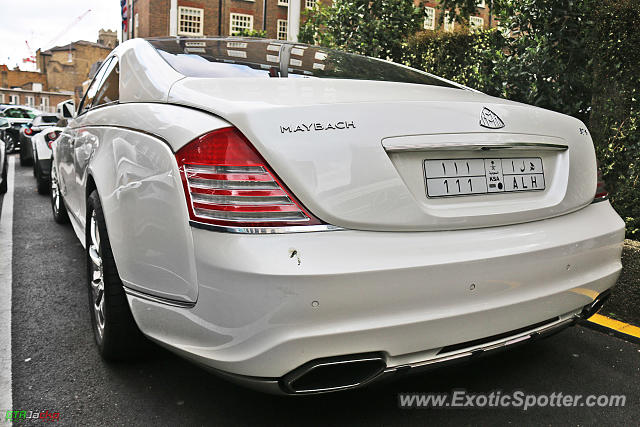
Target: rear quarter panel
x=136 y=176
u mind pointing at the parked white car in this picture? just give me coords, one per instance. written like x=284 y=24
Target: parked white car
x=4 y=124
x=304 y=220
x=41 y=149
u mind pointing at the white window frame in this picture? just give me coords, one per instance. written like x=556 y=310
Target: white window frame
x=1 y=98
x=14 y=99
x=30 y=101
x=449 y=22
x=283 y=2
x=430 y=18
x=241 y=17
x=476 y=22
x=190 y=12
x=281 y=33
x=44 y=103
x=481 y=3
x=310 y=4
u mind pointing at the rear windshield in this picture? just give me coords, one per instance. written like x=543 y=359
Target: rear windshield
x=19 y=113
x=220 y=58
x=49 y=119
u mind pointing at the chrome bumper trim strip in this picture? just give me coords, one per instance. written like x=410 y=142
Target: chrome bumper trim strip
x=265 y=230
x=159 y=300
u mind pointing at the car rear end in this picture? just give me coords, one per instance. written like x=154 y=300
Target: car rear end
x=42 y=149
x=345 y=230
x=28 y=131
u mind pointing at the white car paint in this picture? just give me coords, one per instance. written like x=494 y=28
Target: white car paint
x=395 y=273
x=40 y=146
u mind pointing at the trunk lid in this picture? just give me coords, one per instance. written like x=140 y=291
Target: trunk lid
x=358 y=153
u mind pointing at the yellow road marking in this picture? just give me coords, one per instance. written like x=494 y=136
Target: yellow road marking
x=616 y=325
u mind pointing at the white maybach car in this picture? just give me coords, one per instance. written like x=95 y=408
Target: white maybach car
x=304 y=220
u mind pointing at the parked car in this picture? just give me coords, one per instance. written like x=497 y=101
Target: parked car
x=26 y=133
x=304 y=220
x=4 y=124
x=18 y=116
x=41 y=143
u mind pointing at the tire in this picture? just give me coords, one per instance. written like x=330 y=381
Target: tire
x=10 y=143
x=43 y=183
x=23 y=152
x=116 y=333
x=3 y=178
x=35 y=165
x=58 y=209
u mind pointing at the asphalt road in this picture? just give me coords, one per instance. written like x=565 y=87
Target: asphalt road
x=56 y=367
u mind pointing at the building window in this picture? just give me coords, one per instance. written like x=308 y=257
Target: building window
x=282 y=29
x=449 y=22
x=30 y=101
x=240 y=22
x=190 y=21
x=283 y=2
x=310 y=4
x=1 y=98
x=44 y=103
x=430 y=19
x=14 y=99
x=476 y=23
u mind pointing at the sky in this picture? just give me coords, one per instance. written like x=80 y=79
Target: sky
x=40 y=22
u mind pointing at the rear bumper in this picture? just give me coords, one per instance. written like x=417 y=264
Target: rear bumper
x=45 y=168
x=268 y=304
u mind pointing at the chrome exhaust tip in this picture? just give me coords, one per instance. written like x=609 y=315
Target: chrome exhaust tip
x=591 y=309
x=334 y=373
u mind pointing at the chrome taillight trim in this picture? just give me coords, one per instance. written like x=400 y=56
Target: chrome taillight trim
x=215 y=169
x=219 y=199
x=250 y=216
x=219 y=184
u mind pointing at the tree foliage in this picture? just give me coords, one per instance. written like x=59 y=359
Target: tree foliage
x=372 y=28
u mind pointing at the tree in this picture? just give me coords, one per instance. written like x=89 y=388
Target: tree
x=373 y=28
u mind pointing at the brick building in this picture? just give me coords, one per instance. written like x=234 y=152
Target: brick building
x=67 y=67
x=150 y=18
x=29 y=88
x=17 y=78
x=43 y=100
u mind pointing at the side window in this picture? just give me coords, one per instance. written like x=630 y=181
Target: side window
x=108 y=91
x=85 y=104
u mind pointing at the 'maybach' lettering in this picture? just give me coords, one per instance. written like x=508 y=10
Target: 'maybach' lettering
x=308 y=127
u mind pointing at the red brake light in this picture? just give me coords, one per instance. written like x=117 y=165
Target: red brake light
x=601 y=188
x=228 y=183
x=50 y=137
x=28 y=131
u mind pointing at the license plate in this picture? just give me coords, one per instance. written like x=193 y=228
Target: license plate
x=464 y=177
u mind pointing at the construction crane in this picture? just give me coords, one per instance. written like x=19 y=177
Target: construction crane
x=32 y=57
x=67 y=28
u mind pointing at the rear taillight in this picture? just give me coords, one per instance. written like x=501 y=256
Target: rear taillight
x=50 y=137
x=228 y=183
x=601 y=188
x=28 y=131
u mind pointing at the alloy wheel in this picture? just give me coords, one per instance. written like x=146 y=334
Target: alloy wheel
x=55 y=191
x=96 y=275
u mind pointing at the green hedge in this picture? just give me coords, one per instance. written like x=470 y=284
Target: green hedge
x=615 y=117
